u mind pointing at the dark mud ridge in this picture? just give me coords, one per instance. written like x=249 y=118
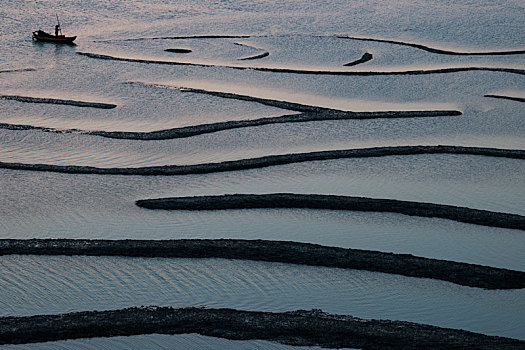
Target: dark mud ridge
x=519 y=99
x=333 y=202
x=438 y=51
x=305 y=328
x=298 y=107
x=182 y=37
x=178 y=50
x=255 y=57
x=465 y=274
x=365 y=58
x=57 y=101
x=310 y=113
x=210 y=36
x=195 y=130
x=18 y=70
x=313 y=72
x=254 y=163
x=8 y=126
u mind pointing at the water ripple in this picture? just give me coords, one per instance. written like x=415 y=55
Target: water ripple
x=251 y=286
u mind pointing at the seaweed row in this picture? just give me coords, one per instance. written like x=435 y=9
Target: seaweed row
x=306 y=328
x=465 y=274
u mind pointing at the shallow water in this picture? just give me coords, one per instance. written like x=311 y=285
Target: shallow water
x=158 y=341
x=92 y=206
x=297 y=35
x=39 y=285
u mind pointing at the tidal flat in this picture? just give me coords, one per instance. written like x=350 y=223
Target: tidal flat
x=253 y=123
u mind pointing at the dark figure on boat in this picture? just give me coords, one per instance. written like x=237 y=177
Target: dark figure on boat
x=58 y=38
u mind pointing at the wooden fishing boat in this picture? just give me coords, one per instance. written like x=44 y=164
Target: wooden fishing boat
x=40 y=35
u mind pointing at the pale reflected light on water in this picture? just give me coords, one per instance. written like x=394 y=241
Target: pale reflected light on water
x=296 y=35
x=53 y=285
x=306 y=99
x=159 y=341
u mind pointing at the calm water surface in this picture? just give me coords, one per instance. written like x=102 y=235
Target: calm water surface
x=297 y=35
x=159 y=341
x=39 y=285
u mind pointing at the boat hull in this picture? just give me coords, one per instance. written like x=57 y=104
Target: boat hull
x=61 y=39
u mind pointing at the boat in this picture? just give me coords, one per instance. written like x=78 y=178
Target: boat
x=40 y=35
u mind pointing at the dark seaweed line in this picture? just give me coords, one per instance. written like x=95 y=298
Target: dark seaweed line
x=310 y=113
x=438 y=51
x=210 y=36
x=313 y=72
x=261 y=162
x=365 y=58
x=195 y=130
x=57 y=101
x=178 y=50
x=315 y=109
x=8 y=126
x=306 y=328
x=246 y=45
x=519 y=99
x=333 y=202
x=465 y=274
x=370 y=73
x=18 y=70
x=255 y=57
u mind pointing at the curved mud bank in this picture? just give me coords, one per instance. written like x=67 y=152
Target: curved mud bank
x=465 y=274
x=312 y=72
x=255 y=57
x=210 y=36
x=309 y=114
x=18 y=70
x=195 y=130
x=8 y=126
x=333 y=202
x=407 y=72
x=365 y=58
x=298 y=107
x=182 y=37
x=57 y=101
x=434 y=50
x=306 y=328
x=178 y=50
x=518 y=99
x=261 y=162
